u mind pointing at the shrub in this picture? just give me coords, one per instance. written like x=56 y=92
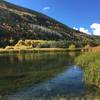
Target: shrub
x=72 y=46
x=21 y=43
x=28 y=42
x=43 y=45
x=9 y=47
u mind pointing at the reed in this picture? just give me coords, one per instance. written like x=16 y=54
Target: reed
x=90 y=62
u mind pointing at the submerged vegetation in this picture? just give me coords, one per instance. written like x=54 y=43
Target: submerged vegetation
x=90 y=62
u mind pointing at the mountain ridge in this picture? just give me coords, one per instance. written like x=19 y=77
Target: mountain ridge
x=31 y=11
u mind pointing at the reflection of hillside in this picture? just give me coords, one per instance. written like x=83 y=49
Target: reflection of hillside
x=72 y=54
x=38 y=56
x=27 y=57
x=27 y=69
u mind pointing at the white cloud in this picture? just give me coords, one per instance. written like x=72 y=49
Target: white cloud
x=82 y=29
x=95 y=28
x=75 y=28
x=46 y=8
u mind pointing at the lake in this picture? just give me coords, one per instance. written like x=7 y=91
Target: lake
x=45 y=76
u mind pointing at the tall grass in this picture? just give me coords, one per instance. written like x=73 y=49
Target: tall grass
x=90 y=62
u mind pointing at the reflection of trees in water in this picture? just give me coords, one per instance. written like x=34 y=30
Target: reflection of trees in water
x=39 y=56
x=72 y=54
x=20 y=70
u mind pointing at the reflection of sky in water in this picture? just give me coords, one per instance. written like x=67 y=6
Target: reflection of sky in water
x=69 y=82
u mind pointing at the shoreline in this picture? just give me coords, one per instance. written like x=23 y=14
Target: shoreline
x=38 y=50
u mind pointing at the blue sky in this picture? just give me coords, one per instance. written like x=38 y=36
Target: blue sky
x=83 y=15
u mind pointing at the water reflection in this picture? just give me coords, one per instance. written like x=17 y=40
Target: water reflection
x=43 y=75
x=21 y=70
x=67 y=83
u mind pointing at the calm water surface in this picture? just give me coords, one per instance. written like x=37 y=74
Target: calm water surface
x=43 y=75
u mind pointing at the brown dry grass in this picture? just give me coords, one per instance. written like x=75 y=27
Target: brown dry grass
x=94 y=49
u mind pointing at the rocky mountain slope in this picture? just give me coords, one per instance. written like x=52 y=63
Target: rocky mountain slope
x=20 y=23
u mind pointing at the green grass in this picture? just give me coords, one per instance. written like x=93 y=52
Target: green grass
x=90 y=62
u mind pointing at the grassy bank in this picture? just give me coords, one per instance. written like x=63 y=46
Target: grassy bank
x=90 y=62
